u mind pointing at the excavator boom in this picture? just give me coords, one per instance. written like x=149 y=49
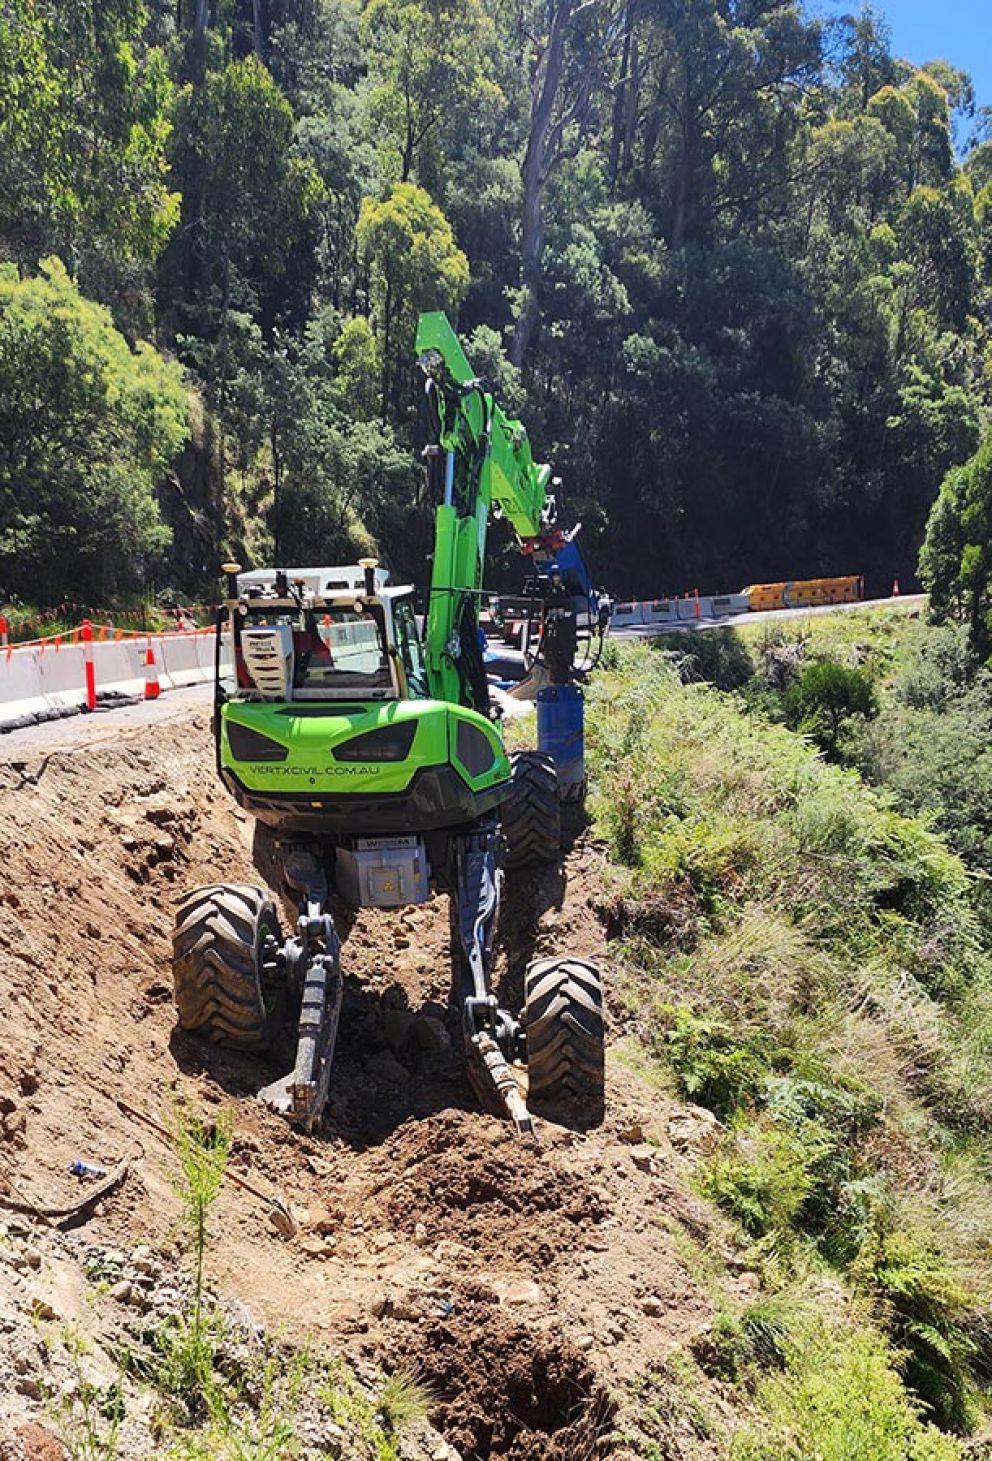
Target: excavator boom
x=480 y=462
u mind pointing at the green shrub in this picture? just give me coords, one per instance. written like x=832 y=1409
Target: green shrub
x=841 y=1399
x=262 y=1431
x=834 y=1008
x=926 y=1308
x=90 y=427
x=824 y=698
x=714 y=1066
x=720 y=656
x=764 y=1177
x=761 y=1336
x=827 y=1122
x=374 y=1426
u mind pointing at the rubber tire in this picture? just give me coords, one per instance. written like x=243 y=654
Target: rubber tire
x=531 y=814
x=216 y=983
x=563 y=1006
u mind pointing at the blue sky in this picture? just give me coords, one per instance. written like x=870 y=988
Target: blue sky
x=959 y=31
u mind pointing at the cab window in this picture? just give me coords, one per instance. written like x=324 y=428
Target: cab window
x=411 y=653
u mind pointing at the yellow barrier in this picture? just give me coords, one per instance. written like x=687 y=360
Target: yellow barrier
x=805 y=593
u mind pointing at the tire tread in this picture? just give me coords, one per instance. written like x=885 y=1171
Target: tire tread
x=216 y=985
x=565 y=1036
x=532 y=813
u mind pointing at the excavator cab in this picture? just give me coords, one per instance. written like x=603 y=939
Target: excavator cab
x=324 y=720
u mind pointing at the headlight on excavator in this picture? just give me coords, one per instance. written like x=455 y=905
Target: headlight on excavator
x=250 y=745
x=387 y=743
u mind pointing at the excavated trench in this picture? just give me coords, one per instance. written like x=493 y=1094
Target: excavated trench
x=503 y=1391
x=529 y=1286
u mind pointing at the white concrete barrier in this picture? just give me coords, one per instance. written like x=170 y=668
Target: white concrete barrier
x=43 y=682
x=726 y=604
x=60 y=674
x=21 y=700
x=628 y=613
x=186 y=659
x=120 y=667
x=661 y=611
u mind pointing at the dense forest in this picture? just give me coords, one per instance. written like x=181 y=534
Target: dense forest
x=733 y=265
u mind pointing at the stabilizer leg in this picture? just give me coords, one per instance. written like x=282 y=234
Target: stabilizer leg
x=312 y=962
x=491 y=1034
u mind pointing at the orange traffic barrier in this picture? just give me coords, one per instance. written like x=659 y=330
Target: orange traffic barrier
x=895 y=588
x=88 y=663
x=152 y=687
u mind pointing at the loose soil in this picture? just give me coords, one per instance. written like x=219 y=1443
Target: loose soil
x=537 y=1288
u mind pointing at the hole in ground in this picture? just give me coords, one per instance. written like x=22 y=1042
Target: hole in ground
x=502 y=1391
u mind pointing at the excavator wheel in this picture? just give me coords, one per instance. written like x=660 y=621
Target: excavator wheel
x=563 y=1012
x=216 y=965
x=532 y=813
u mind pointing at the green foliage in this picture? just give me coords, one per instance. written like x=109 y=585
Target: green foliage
x=89 y=426
x=956 y=557
x=925 y=1306
x=841 y=1399
x=721 y=659
x=415 y=264
x=760 y=1337
x=403 y=1400
x=745 y=275
x=932 y=743
x=184 y=1362
x=833 y=1010
x=824 y=697
x=84 y=123
x=714 y=1067
x=359 y=369
x=432 y=61
x=376 y=1423
x=264 y=1431
x=247 y=202
x=88 y=1423
x=188 y=1346
x=765 y=1182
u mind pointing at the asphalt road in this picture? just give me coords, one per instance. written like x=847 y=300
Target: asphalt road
x=696 y=626
x=102 y=724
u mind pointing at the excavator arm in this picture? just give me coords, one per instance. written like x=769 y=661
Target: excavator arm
x=479 y=462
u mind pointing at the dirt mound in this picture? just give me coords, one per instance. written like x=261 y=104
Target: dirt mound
x=524 y=1282
x=456 y=1172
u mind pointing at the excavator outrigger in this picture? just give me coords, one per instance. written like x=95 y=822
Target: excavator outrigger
x=375 y=767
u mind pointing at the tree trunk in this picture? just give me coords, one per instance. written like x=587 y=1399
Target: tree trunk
x=633 y=97
x=276 y=491
x=387 y=310
x=536 y=166
x=531 y=251
x=620 y=102
x=684 y=201
x=258 y=30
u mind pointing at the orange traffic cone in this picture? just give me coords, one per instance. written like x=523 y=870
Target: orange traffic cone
x=895 y=588
x=152 y=687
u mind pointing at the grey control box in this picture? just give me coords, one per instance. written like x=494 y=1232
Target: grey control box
x=383 y=872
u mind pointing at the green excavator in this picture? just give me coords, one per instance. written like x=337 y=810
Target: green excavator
x=374 y=764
